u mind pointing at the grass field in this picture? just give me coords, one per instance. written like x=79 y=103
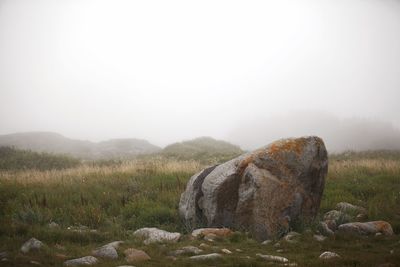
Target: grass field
x=117 y=198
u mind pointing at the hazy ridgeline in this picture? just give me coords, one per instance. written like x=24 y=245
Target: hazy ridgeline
x=117 y=197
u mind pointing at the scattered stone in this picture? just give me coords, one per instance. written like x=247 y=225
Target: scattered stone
x=350 y=208
x=61 y=256
x=387 y=265
x=272 y=258
x=391 y=251
x=155 y=235
x=135 y=255
x=187 y=250
x=3 y=254
x=125 y=266
x=367 y=228
x=239 y=250
x=362 y=217
x=266 y=242
x=324 y=229
x=277 y=245
x=291 y=237
x=280 y=251
x=210 y=237
x=378 y=234
x=337 y=216
x=319 y=238
x=4 y=259
x=204 y=245
x=328 y=255
x=81 y=229
x=106 y=252
x=288 y=175
x=226 y=251
x=87 y=260
x=115 y=244
x=219 y=232
x=53 y=225
x=212 y=256
x=35 y=263
x=31 y=244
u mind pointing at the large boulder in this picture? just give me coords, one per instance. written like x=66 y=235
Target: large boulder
x=263 y=191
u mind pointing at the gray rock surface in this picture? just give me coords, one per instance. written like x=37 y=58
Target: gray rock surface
x=272 y=258
x=155 y=235
x=30 y=245
x=350 y=208
x=212 y=256
x=327 y=255
x=106 y=252
x=187 y=251
x=263 y=191
x=87 y=260
x=367 y=228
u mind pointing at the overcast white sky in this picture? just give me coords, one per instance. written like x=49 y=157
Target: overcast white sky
x=172 y=70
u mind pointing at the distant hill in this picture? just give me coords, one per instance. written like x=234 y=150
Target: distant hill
x=204 y=149
x=57 y=144
x=339 y=134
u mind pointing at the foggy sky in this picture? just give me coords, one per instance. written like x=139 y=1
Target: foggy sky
x=172 y=70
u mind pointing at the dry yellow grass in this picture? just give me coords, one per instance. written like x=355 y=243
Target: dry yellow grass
x=80 y=173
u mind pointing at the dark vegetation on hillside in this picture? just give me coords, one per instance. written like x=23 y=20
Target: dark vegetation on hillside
x=203 y=149
x=15 y=159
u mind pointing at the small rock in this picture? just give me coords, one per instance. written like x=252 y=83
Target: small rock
x=378 y=234
x=291 y=237
x=31 y=244
x=319 y=238
x=212 y=256
x=272 y=258
x=115 y=244
x=226 y=251
x=391 y=251
x=277 y=245
x=53 y=225
x=210 y=237
x=350 y=208
x=220 y=232
x=325 y=230
x=88 y=260
x=4 y=259
x=362 y=217
x=125 y=266
x=328 y=255
x=239 y=250
x=3 y=254
x=155 y=235
x=280 y=251
x=35 y=263
x=60 y=256
x=337 y=216
x=367 y=228
x=135 y=255
x=106 y=252
x=204 y=245
x=187 y=250
x=266 y=242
